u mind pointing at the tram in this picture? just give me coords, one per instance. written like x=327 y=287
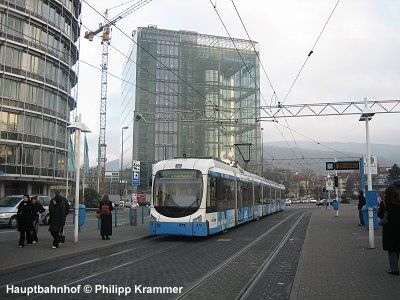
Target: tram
x=204 y=196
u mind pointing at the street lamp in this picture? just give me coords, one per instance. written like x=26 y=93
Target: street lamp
x=122 y=159
x=366 y=116
x=78 y=127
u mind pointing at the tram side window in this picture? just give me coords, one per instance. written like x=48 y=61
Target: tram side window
x=247 y=194
x=271 y=194
x=221 y=194
x=265 y=194
x=257 y=194
x=228 y=187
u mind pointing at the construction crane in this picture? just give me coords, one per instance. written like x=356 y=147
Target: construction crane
x=105 y=41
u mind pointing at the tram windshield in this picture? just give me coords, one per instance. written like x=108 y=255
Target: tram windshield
x=177 y=193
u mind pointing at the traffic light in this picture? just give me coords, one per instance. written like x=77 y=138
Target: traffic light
x=336 y=181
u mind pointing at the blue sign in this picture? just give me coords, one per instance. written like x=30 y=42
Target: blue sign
x=136 y=178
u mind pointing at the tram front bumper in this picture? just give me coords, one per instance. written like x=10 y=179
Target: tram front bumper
x=184 y=228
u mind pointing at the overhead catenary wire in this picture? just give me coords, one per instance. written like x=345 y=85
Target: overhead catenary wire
x=168 y=68
x=155 y=58
x=274 y=95
x=309 y=54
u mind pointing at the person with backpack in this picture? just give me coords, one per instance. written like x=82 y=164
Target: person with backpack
x=105 y=209
x=37 y=209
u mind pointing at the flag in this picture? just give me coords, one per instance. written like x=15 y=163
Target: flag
x=71 y=156
x=86 y=157
x=99 y=160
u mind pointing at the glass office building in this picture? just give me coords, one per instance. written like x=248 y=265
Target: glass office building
x=190 y=94
x=38 y=61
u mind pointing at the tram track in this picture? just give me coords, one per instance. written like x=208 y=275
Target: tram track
x=178 y=261
x=206 y=281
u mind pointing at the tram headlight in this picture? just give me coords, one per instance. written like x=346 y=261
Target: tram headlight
x=198 y=219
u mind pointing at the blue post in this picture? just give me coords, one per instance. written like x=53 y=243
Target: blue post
x=362 y=177
x=142 y=214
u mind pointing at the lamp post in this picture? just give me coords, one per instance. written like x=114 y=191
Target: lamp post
x=78 y=127
x=122 y=159
x=366 y=116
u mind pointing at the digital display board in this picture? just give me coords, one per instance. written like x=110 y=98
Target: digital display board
x=347 y=165
x=179 y=174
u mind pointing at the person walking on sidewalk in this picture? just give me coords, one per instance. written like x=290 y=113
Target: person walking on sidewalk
x=24 y=217
x=391 y=230
x=56 y=219
x=105 y=209
x=361 y=204
x=67 y=208
x=37 y=209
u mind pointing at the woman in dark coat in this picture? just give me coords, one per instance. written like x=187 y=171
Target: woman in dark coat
x=56 y=219
x=391 y=230
x=24 y=217
x=105 y=209
x=361 y=203
x=37 y=209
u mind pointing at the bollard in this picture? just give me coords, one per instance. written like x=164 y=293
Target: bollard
x=142 y=214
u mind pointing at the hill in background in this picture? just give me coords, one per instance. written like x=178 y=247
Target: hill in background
x=279 y=154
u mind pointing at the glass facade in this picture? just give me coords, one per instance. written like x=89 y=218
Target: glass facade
x=38 y=63
x=193 y=94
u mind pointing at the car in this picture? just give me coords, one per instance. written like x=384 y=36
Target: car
x=288 y=202
x=45 y=201
x=9 y=209
x=321 y=202
x=312 y=200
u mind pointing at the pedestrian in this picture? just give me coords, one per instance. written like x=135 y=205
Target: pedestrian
x=56 y=219
x=391 y=230
x=67 y=208
x=24 y=217
x=37 y=209
x=105 y=209
x=361 y=204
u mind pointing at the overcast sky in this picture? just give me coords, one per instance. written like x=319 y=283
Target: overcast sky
x=357 y=56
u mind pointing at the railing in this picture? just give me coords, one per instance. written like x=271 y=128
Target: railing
x=121 y=216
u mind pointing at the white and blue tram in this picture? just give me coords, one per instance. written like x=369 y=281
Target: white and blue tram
x=203 y=196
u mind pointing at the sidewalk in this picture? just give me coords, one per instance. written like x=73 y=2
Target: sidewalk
x=14 y=258
x=335 y=261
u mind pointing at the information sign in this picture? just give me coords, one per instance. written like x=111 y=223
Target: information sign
x=347 y=165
